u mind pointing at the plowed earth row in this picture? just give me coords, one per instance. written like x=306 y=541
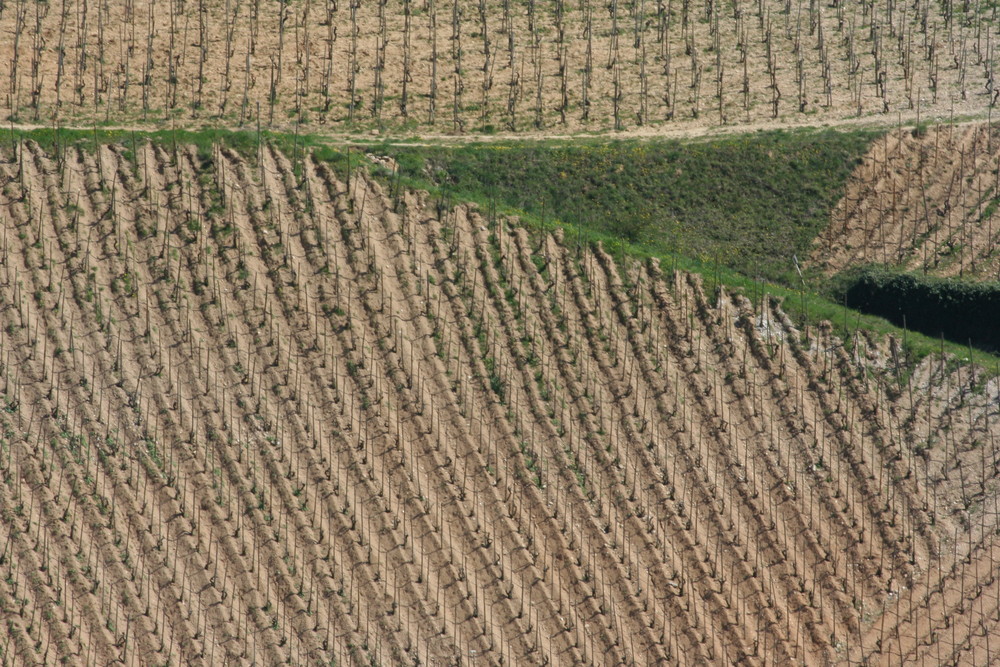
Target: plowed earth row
x=494 y=65
x=924 y=201
x=255 y=413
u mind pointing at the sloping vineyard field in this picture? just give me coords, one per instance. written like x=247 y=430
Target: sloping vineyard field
x=494 y=65
x=922 y=200
x=257 y=410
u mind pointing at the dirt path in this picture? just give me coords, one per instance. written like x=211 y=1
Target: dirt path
x=905 y=120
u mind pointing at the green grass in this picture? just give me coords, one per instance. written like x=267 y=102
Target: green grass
x=244 y=142
x=54 y=139
x=750 y=202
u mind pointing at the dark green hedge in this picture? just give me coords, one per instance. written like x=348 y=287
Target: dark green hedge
x=960 y=311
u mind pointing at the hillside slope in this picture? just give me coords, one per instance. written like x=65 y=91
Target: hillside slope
x=493 y=65
x=924 y=201
x=253 y=414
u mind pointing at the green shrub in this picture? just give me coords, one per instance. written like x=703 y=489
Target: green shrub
x=961 y=311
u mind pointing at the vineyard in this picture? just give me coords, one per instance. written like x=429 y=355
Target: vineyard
x=923 y=200
x=265 y=407
x=494 y=66
x=430 y=332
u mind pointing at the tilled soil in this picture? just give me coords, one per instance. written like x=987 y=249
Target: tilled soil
x=493 y=66
x=923 y=201
x=254 y=414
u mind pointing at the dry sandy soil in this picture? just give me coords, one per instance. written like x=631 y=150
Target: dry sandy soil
x=923 y=201
x=256 y=413
x=443 y=66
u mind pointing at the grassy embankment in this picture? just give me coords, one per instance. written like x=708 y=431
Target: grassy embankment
x=738 y=209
